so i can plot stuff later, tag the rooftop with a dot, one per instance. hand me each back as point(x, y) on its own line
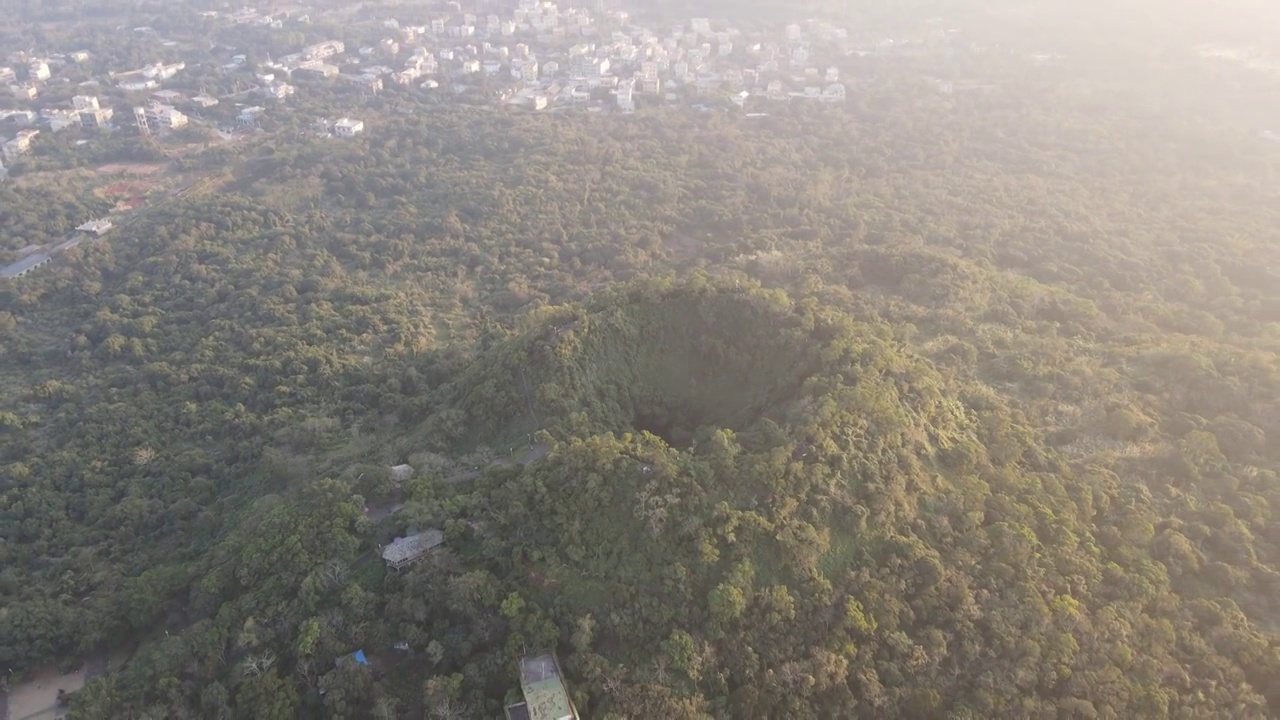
point(408, 548)
point(544, 692)
point(96, 226)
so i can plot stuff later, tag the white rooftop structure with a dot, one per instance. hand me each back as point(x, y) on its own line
point(346, 127)
point(408, 550)
point(95, 227)
point(400, 473)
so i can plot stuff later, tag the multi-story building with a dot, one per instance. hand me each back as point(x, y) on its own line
point(25, 91)
point(92, 115)
point(165, 116)
point(323, 50)
point(20, 144)
point(648, 81)
point(526, 69)
point(626, 100)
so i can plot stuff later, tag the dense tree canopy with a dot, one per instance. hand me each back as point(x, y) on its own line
point(926, 406)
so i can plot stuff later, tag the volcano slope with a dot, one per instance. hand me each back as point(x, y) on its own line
point(760, 507)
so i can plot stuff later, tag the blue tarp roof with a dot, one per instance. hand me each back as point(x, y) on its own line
point(360, 658)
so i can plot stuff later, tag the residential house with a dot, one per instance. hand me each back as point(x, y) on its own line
point(167, 97)
point(96, 118)
point(59, 120)
point(160, 71)
point(96, 228)
point(524, 69)
point(19, 145)
point(324, 50)
point(491, 67)
point(648, 80)
point(39, 70)
point(25, 91)
point(19, 117)
point(91, 114)
point(319, 68)
point(79, 56)
point(401, 474)
point(834, 93)
point(7, 75)
point(367, 81)
point(204, 101)
point(348, 128)
point(470, 67)
point(407, 550)
point(626, 99)
point(590, 67)
point(165, 116)
point(250, 116)
point(278, 90)
point(545, 695)
point(135, 83)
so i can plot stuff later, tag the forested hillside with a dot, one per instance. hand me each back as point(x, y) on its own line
point(928, 406)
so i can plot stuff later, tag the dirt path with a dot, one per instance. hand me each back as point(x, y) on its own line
point(376, 513)
point(535, 452)
point(37, 698)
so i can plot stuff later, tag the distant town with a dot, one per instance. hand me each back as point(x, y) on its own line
point(222, 76)
point(540, 57)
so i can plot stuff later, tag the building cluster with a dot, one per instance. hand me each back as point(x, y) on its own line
point(536, 55)
point(19, 144)
point(25, 75)
point(157, 115)
point(540, 55)
point(146, 78)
